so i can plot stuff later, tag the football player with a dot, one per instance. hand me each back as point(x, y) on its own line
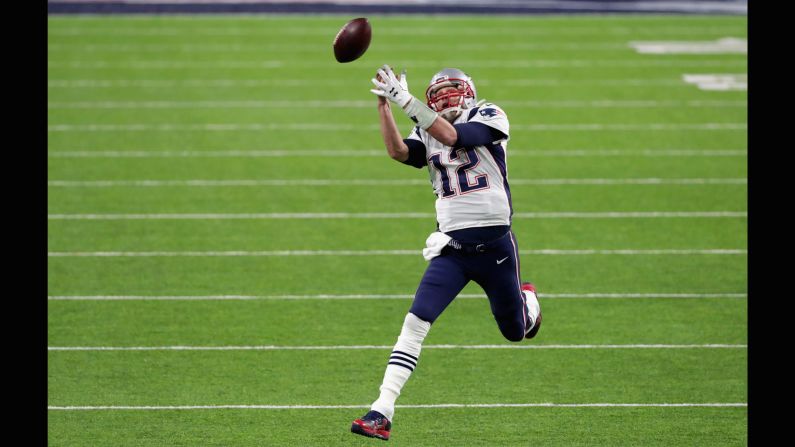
point(462, 142)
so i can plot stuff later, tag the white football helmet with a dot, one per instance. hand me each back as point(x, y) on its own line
point(452, 102)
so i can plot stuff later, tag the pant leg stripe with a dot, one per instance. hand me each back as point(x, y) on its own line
point(519, 280)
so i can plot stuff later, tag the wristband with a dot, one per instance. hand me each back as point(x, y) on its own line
point(420, 113)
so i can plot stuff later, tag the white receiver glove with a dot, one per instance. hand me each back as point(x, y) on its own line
point(392, 88)
point(397, 91)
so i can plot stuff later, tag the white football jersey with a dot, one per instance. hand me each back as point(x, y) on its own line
point(470, 183)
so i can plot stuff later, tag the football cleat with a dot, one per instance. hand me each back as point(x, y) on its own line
point(531, 300)
point(373, 425)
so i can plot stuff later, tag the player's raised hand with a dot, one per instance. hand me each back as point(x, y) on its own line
point(390, 87)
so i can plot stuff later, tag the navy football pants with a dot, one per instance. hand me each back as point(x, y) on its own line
point(496, 271)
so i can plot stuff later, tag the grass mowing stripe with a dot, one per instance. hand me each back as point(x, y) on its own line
point(533, 215)
point(623, 321)
point(329, 127)
point(271, 253)
point(177, 235)
point(384, 182)
point(417, 30)
point(383, 296)
point(301, 140)
point(255, 104)
point(82, 48)
point(560, 375)
point(619, 46)
point(487, 427)
point(385, 347)
point(232, 153)
point(273, 64)
point(341, 199)
point(332, 407)
point(302, 275)
point(264, 169)
point(220, 83)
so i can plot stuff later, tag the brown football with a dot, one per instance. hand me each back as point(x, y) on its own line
point(352, 40)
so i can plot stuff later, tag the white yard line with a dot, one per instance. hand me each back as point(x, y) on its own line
point(382, 182)
point(625, 127)
point(718, 82)
point(280, 104)
point(726, 45)
point(337, 407)
point(529, 215)
point(253, 153)
point(289, 47)
point(282, 253)
point(222, 83)
point(661, 295)
point(538, 29)
point(170, 64)
point(331, 127)
point(384, 347)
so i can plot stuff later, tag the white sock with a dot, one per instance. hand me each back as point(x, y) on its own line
point(402, 362)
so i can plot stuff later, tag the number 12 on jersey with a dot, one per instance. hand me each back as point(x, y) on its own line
point(461, 175)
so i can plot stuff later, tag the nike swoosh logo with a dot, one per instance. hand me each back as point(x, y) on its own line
point(501, 260)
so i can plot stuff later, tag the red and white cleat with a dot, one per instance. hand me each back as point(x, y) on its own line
point(373, 425)
point(533, 309)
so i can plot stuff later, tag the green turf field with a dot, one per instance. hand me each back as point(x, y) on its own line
point(221, 205)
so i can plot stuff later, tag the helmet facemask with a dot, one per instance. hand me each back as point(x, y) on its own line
point(450, 103)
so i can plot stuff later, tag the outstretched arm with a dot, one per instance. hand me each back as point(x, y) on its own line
point(395, 146)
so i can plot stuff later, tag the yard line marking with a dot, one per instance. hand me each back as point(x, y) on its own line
point(338, 407)
point(220, 83)
point(649, 126)
point(628, 82)
point(381, 153)
point(726, 45)
point(383, 182)
point(641, 295)
point(320, 30)
point(530, 215)
point(718, 81)
point(279, 104)
point(379, 347)
point(719, 46)
point(278, 253)
point(383, 296)
point(331, 127)
point(218, 153)
point(313, 47)
point(165, 64)
point(218, 127)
